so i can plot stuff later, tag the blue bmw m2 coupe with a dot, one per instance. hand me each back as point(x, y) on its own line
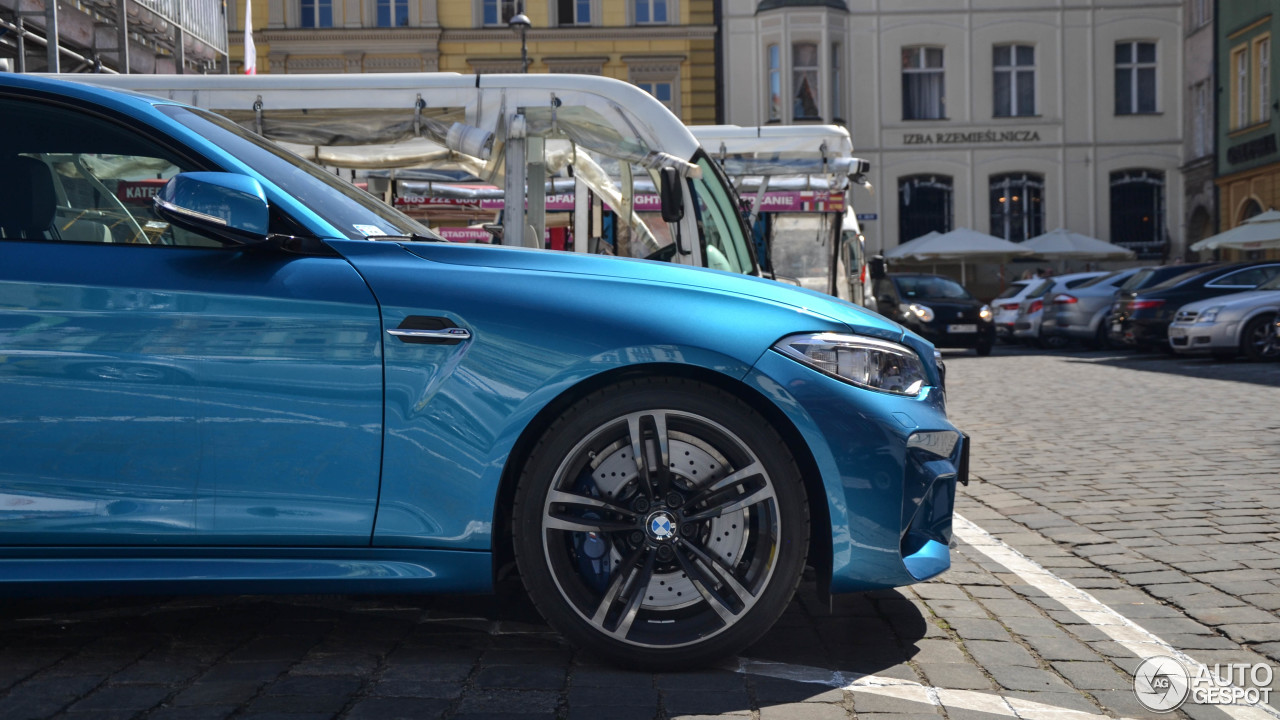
point(222, 369)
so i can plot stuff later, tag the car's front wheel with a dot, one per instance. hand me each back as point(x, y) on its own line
point(1259, 340)
point(661, 523)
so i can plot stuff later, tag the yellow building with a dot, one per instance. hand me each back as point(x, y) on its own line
point(667, 47)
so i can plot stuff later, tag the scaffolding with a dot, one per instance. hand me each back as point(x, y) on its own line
point(114, 35)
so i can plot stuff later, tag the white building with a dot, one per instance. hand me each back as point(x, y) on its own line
point(1012, 117)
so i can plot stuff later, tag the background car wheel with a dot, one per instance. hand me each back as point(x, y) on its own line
point(1101, 340)
point(983, 349)
point(1258, 341)
point(661, 523)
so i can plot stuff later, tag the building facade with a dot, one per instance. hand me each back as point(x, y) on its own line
point(141, 36)
point(1012, 117)
point(1199, 145)
point(1248, 110)
point(667, 47)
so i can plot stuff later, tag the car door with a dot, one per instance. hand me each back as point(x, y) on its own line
point(158, 387)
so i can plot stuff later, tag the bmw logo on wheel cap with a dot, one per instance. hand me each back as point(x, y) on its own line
point(661, 527)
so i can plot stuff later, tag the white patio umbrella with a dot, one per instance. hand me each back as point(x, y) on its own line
point(1064, 244)
point(963, 245)
point(1259, 232)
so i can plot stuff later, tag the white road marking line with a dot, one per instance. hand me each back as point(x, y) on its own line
point(1137, 640)
point(911, 691)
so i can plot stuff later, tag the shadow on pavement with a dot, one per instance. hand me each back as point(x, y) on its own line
point(446, 655)
point(1206, 367)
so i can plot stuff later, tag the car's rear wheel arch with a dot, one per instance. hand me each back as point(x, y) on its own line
point(820, 551)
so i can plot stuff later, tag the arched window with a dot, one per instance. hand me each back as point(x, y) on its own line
point(1137, 212)
point(1248, 210)
point(924, 205)
point(1017, 206)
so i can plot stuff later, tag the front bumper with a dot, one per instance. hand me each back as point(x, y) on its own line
point(1027, 327)
point(941, 335)
point(1202, 338)
point(1135, 332)
point(888, 467)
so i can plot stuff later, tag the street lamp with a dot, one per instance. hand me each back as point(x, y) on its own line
point(520, 22)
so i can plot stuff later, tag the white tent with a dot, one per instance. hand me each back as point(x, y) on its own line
point(962, 245)
point(1064, 244)
point(1260, 232)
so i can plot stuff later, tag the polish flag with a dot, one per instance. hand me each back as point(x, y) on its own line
point(250, 52)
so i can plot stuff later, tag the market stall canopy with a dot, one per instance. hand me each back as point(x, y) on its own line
point(1063, 243)
point(776, 150)
point(961, 244)
point(1260, 232)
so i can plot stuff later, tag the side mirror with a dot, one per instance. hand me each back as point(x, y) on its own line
point(228, 207)
point(672, 194)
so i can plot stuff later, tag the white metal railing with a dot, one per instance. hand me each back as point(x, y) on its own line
point(201, 19)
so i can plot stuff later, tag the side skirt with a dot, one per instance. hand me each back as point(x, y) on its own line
point(41, 571)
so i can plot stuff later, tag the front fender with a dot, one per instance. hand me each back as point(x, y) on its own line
point(1253, 313)
point(447, 448)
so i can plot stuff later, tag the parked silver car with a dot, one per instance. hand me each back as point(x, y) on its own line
point(1027, 325)
point(1080, 313)
point(1229, 324)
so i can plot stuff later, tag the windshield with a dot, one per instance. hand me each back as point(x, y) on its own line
point(1100, 279)
point(1012, 290)
point(719, 220)
point(800, 247)
point(1138, 280)
point(1176, 280)
point(930, 286)
point(355, 213)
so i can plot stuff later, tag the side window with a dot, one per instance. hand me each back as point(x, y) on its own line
point(1078, 282)
point(1249, 278)
point(82, 179)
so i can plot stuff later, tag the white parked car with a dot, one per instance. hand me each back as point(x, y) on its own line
point(1006, 305)
point(1242, 323)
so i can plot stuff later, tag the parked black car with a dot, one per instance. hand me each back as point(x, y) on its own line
point(1140, 318)
point(938, 309)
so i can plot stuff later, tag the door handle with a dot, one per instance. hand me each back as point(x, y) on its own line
point(453, 333)
point(424, 330)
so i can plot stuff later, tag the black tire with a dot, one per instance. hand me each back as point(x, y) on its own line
point(1053, 342)
point(1101, 338)
point(718, 580)
point(1258, 340)
point(983, 349)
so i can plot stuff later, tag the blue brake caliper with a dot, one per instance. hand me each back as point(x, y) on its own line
point(592, 549)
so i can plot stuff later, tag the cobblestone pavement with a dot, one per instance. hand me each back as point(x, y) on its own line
point(1151, 483)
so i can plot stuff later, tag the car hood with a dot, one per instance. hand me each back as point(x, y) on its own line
point(1249, 298)
point(856, 318)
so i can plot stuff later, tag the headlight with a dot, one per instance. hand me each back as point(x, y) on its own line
point(1209, 315)
point(865, 362)
point(924, 312)
point(985, 312)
